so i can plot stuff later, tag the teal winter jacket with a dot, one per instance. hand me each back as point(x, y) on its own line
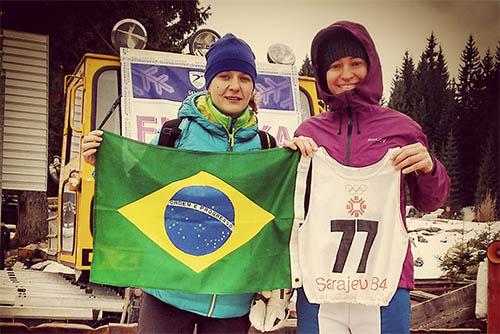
point(203, 128)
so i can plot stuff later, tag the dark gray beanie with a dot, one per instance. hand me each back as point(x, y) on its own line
point(336, 45)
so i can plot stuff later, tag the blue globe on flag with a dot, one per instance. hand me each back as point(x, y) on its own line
point(199, 219)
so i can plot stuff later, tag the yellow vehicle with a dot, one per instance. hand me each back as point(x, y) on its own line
point(90, 93)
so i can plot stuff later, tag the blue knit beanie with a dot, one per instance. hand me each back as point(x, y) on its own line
point(229, 54)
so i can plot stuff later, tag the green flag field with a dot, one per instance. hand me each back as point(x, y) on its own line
point(199, 222)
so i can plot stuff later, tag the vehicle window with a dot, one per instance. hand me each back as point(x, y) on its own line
point(76, 110)
point(306, 108)
point(106, 94)
point(68, 226)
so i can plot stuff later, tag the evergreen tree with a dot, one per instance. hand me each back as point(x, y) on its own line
point(396, 99)
point(306, 68)
point(487, 68)
point(402, 93)
point(491, 90)
point(420, 110)
point(468, 75)
point(488, 171)
point(488, 176)
point(432, 97)
point(451, 161)
point(485, 95)
point(428, 58)
point(468, 130)
point(444, 106)
point(432, 94)
point(497, 60)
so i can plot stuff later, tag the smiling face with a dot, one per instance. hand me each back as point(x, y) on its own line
point(345, 74)
point(231, 92)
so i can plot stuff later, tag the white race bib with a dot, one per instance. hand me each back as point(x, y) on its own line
point(352, 243)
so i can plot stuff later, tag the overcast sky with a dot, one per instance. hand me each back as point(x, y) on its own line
point(395, 26)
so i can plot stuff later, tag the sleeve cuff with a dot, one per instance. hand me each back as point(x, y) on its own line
point(433, 170)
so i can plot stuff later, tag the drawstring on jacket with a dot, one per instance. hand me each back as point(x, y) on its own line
point(339, 132)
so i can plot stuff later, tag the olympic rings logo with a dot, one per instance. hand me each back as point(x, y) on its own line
point(356, 189)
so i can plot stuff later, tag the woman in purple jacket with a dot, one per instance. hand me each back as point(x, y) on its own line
point(357, 132)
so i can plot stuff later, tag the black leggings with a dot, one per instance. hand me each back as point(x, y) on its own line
point(157, 317)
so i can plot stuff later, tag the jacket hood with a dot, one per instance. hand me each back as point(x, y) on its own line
point(370, 88)
point(188, 107)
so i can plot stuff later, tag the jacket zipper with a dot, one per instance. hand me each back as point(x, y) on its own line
point(230, 133)
point(230, 145)
point(349, 133)
point(212, 306)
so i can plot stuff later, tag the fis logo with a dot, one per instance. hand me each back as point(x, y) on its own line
point(197, 79)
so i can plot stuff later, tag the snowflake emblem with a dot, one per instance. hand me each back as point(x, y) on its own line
point(356, 206)
point(151, 82)
point(275, 92)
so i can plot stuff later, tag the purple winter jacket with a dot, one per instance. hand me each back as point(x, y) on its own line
point(357, 131)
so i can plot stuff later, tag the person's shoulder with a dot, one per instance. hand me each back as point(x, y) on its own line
point(317, 119)
point(405, 125)
point(309, 125)
point(399, 117)
point(189, 105)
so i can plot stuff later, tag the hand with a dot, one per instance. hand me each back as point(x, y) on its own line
point(269, 309)
point(306, 145)
point(413, 158)
point(90, 144)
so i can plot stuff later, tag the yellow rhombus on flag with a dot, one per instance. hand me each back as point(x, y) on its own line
point(148, 215)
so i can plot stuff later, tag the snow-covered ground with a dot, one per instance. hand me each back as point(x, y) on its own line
point(438, 242)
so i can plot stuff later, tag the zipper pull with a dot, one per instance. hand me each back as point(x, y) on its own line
point(231, 136)
point(230, 142)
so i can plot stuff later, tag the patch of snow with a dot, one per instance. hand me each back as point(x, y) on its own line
point(41, 265)
point(450, 232)
point(468, 213)
point(18, 266)
point(55, 267)
point(431, 216)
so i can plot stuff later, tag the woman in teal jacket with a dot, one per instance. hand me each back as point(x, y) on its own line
point(221, 119)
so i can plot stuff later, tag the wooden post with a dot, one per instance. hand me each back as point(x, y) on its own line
point(445, 311)
point(494, 287)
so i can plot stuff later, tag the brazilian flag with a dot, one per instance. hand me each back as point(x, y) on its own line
point(203, 222)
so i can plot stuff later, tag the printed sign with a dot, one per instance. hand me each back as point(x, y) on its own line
point(154, 84)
